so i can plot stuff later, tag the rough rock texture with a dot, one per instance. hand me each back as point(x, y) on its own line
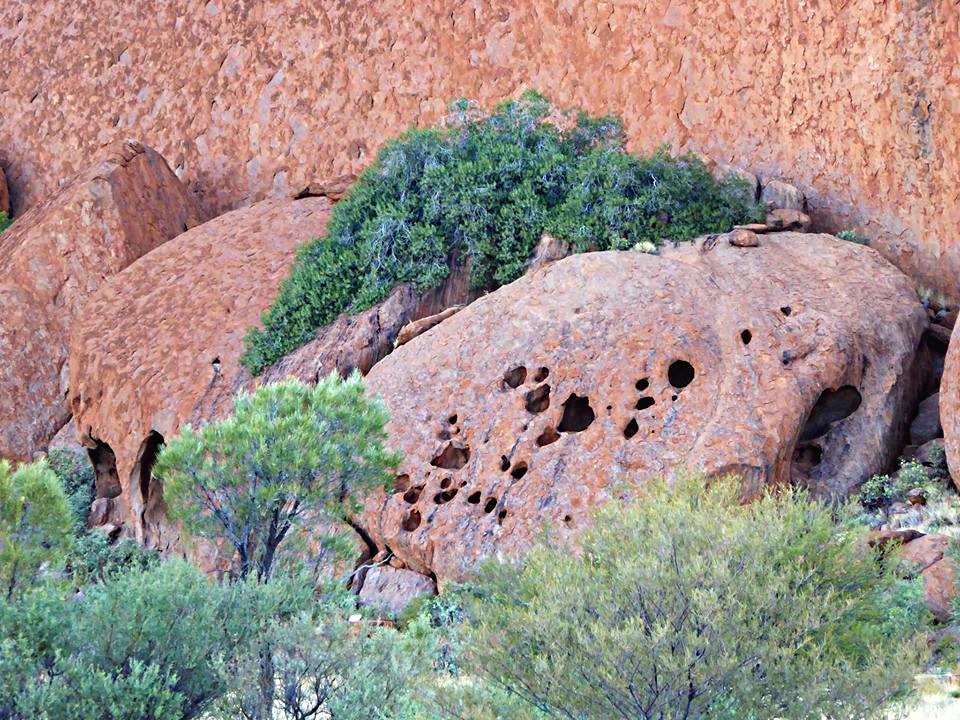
point(527, 406)
point(950, 410)
point(926, 556)
point(53, 258)
point(392, 589)
point(778, 194)
point(143, 356)
point(926, 425)
point(857, 102)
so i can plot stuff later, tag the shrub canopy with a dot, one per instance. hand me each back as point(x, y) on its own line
point(688, 604)
point(486, 187)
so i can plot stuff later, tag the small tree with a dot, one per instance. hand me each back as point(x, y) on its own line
point(689, 604)
point(290, 454)
point(36, 525)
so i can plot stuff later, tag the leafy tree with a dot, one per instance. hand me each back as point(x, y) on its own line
point(36, 526)
point(689, 604)
point(327, 667)
point(75, 473)
point(484, 189)
point(155, 644)
point(290, 455)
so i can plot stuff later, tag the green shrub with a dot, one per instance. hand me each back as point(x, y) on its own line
point(5, 221)
point(486, 187)
point(75, 473)
point(851, 236)
point(689, 604)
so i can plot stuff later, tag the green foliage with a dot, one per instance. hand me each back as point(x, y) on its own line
point(5, 221)
point(486, 187)
point(75, 473)
point(96, 560)
point(689, 604)
point(881, 490)
point(151, 644)
point(36, 525)
point(938, 460)
point(325, 666)
point(291, 457)
point(851, 236)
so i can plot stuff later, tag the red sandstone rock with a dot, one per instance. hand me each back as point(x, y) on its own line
point(525, 408)
point(54, 258)
point(940, 587)
point(142, 356)
point(853, 99)
point(391, 589)
point(419, 327)
point(882, 538)
point(950, 410)
point(921, 553)
point(780, 195)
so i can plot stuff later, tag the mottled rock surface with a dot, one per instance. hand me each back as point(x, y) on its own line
point(143, 356)
point(525, 408)
point(391, 589)
point(950, 410)
point(54, 258)
point(927, 557)
point(926, 425)
point(853, 101)
point(4, 193)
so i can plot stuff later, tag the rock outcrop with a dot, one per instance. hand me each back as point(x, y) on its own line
point(4, 193)
point(787, 362)
point(950, 410)
point(854, 101)
point(159, 346)
point(51, 261)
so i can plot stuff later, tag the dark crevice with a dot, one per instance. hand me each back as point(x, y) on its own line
point(643, 384)
point(631, 429)
point(412, 521)
point(547, 437)
point(519, 470)
point(831, 407)
point(538, 399)
point(645, 402)
point(106, 477)
point(541, 374)
point(515, 377)
point(412, 495)
point(680, 373)
point(746, 336)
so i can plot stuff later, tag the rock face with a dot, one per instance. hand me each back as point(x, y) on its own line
point(787, 362)
point(51, 261)
point(926, 426)
point(926, 556)
point(950, 410)
point(391, 589)
point(851, 100)
point(159, 345)
point(4, 194)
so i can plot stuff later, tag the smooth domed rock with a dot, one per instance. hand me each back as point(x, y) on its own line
point(54, 258)
point(778, 194)
point(160, 344)
point(525, 409)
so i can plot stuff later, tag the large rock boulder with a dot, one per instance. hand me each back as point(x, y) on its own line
point(950, 410)
point(160, 345)
point(789, 362)
point(51, 261)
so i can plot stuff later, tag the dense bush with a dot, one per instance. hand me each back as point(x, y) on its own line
point(688, 604)
point(5, 221)
point(485, 187)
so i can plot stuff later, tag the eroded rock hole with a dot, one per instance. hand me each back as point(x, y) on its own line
point(401, 483)
point(106, 478)
point(645, 402)
point(631, 429)
point(567, 519)
point(445, 483)
point(831, 407)
point(490, 505)
point(807, 456)
point(515, 378)
point(412, 495)
point(445, 496)
point(474, 498)
point(643, 384)
point(453, 457)
point(577, 414)
point(452, 419)
point(538, 399)
point(504, 463)
point(746, 336)
point(680, 374)
point(786, 310)
point(412, 521)
point(519, 470)
point(548, 436)
point(541, 374)
point(501, 516)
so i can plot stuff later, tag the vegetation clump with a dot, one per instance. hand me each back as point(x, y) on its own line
point(5, 221)
point(482, 190)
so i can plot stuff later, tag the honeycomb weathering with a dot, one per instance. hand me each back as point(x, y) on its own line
point(856, 102)
point(648, 372)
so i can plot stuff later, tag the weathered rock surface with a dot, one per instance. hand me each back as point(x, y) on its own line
point(950, 410)
point(159, 345)
point(525, 408)
point(853, 101)
point(926, 425)
point(392, 589)
point(778, 194)
point(51, 261)
point(926, 556)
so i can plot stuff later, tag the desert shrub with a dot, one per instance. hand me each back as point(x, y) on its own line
point(689, 604)
point(36, 525)
point(291, 456)
point(5, 221)
point(851, 236)
point(881, 490)
point(75, 473)
point(484, 188)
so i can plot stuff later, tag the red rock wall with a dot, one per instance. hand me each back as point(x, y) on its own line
point(856, 101)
